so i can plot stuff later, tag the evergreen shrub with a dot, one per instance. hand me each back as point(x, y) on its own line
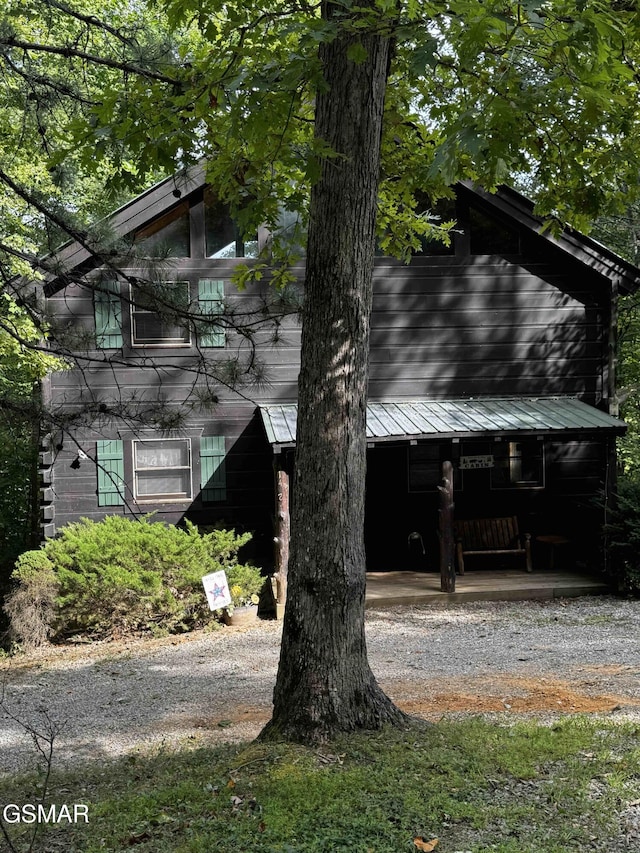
point(31, 605)
point(117, 577)
point(623, 531)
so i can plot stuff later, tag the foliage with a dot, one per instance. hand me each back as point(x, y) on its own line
point(244, 585)
point(623, 531)
point(119, 576)
point(482, 91)
point(22, 364)
point(31, 605)
point(621, 232)
point(474, 785)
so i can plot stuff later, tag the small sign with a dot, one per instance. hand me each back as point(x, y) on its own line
point(216, 588)
point(468, 462)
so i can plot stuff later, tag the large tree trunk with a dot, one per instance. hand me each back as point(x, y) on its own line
point(324, 682)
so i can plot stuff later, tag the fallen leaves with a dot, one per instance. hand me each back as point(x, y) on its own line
point(425, 846)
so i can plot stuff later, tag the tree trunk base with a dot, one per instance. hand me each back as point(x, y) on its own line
point(316, 719)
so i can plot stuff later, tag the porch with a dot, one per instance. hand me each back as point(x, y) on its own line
point(385, 589)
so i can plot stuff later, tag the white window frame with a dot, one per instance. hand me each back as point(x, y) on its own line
point(161, 498)
point(158, 342)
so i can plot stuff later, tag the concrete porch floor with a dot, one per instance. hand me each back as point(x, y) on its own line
point(385, 589)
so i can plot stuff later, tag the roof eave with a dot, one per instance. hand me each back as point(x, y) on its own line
point(571, 242)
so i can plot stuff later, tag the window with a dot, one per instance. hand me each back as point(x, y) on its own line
point(166, 237)
point(154, 316)
point(223, 239)
point(518, 465)
point(490, 237)
point(162, 470)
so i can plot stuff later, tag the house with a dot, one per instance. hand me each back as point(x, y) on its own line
point(497, 354)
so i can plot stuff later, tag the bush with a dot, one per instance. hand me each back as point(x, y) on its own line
point(623, 531)
point(119, 576)
point(31, 606)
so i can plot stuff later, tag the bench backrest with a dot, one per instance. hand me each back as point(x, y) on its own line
point(488, 533)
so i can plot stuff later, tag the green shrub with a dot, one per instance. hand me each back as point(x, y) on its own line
point(623, 532)
point(118, 576)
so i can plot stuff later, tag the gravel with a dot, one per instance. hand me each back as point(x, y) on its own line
point(110, 699)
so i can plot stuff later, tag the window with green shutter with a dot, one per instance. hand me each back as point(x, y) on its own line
point(213, 476)
point(108, 315)
point(211, 300)
point(110, 464)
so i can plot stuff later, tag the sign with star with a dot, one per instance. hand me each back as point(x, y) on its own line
point(216, 588)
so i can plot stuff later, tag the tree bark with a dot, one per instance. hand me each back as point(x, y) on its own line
point(324, 683)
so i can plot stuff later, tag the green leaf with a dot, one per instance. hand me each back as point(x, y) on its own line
point(357, 53)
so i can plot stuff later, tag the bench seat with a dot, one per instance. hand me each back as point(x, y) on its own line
point(490, 536)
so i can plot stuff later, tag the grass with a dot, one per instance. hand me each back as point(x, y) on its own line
point(474, 785)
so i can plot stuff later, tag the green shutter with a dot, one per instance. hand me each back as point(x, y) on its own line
point(108, 314)
point(213, 475)
point(110, 460)
point(211, 299)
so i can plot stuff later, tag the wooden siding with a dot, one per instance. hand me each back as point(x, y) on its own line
point(442, 327)
point(483, 327)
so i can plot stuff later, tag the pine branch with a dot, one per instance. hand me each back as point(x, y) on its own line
point(69, 52)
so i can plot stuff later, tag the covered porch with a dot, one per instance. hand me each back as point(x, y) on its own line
point(386, 589)
point(545, 462)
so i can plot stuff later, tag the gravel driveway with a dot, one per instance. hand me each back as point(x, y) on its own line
point(505, 658)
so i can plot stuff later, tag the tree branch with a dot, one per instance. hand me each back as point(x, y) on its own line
point(70, 52)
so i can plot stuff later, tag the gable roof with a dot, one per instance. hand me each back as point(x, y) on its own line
point(505, 203)
point(575, 245)
point(136, 214)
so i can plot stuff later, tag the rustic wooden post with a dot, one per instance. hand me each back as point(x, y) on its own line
point(445, 525)
point(281, 540)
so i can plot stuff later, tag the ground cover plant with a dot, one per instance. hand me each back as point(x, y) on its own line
point(473, 785)
point(120, 576)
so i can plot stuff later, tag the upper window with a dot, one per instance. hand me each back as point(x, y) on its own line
point(490, 237)
point(162, 470)
point(166, 237)
point(155, 318)
point(222, 237)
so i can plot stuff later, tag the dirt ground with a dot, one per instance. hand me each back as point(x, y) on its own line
point(510, 660)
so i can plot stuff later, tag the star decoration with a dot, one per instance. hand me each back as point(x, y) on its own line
point(218, 591)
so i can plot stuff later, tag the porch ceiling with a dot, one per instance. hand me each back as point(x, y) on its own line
point(458, 418)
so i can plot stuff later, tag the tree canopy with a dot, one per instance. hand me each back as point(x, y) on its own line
point(96, 100)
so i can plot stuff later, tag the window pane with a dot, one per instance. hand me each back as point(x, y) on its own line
point(167, 237)
point(148, 328)
point(164, 483)
point(518, 464)
point(162, 454)
point(221, 234)
point(162, 469)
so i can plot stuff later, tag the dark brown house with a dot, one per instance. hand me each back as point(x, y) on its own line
point(497, 354)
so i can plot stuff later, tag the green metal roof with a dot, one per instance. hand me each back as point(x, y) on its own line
point(457, 418)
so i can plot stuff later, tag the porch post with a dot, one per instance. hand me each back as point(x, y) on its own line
point(445, 523)
point(282, 532)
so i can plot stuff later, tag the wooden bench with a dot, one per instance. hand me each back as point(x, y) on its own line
point(489, 536)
